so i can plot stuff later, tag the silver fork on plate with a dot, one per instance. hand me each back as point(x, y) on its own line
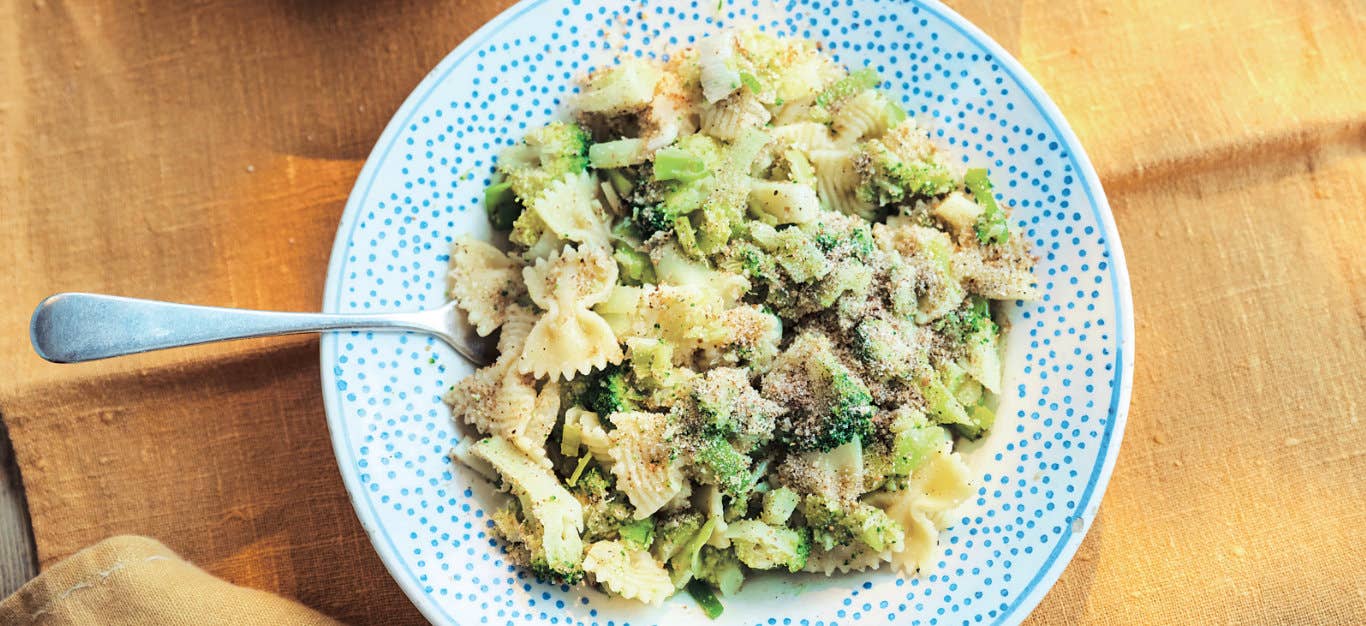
point(75, 327)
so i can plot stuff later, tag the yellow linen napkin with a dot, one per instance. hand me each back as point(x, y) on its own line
point(137, 580)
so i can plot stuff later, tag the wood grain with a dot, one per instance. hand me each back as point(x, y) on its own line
point(18, 561)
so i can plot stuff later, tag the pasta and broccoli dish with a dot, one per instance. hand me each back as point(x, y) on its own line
point(745, 314)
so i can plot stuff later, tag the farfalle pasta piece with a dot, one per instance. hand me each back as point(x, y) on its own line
point(837, 182)
point(568, 341)
point(515, 330)
point(628, 572)
point(923, 507)
point(529, 429)
point(868, 114)
point(493, 396)
point(729, 118)
point(669, 115)
point(808, 136)
point(570, 338)
point(484, 282)
point(569, 208)
point(592, 435)
point(643, 463)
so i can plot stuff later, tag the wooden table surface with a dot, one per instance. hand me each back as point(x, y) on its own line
point(18, 560)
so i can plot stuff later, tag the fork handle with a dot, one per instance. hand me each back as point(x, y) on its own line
point(76, 327)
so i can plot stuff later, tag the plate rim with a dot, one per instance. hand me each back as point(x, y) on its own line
point(1098, 483)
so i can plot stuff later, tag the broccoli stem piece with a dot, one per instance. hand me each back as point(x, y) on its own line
point(702, 593)
point(638, 534)
point(674, 163)
point(501, 205)
point(991, 226)
point(726, 466)
point(613, 154)
point(635, 266)
point(578, 470)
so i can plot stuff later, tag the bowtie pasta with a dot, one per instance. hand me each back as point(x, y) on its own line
point(745, 317)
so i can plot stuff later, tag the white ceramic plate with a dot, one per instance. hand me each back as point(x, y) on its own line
point(1069, 356)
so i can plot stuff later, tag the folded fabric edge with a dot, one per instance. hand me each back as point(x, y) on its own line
point(135, 579)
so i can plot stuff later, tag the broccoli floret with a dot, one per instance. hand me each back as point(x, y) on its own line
point(730, 408)
point(593, 484)
point(828, 405)
point(887, 179)
point(719, 423)
point(971, 323)
point(720, 568)
point(526, 545)
point(765, 546)
point(543, 570)
point(603, 514)
point(650, 360)
point(889, 348)
point(684, 560)
point(563, 146)
point(719, 462)
point(545, 155)
point(676, 200)
point(843, 523)
point(945, 407)
point(851, 409)
point(909, 441)
point(653, 219)
point(608, 391)
point(992, 227)
point(724, 208)
point(794, 250)
point(693, 157)
point(778, 505)
point(754, 262)
point(638, 534)
point(673, 534)
point(669, 194)
point(852, 239)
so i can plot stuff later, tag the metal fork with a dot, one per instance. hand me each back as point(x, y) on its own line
point(75, 327)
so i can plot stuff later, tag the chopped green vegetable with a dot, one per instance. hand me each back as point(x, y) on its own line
point(765, 546)
point(578, 470)
point(778, 505)
point(678, 164)
point(886, 178)
point(607, 391)
point(991, 226)
point(857, 80)
point(619, 153)
point(639, 534)
point(752, 82)
point(702, 593)
point(501, 205)
point(720, 568)
point(620, 183)
point(635, 266)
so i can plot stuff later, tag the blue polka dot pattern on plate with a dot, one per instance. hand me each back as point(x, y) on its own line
point(1069, 355)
